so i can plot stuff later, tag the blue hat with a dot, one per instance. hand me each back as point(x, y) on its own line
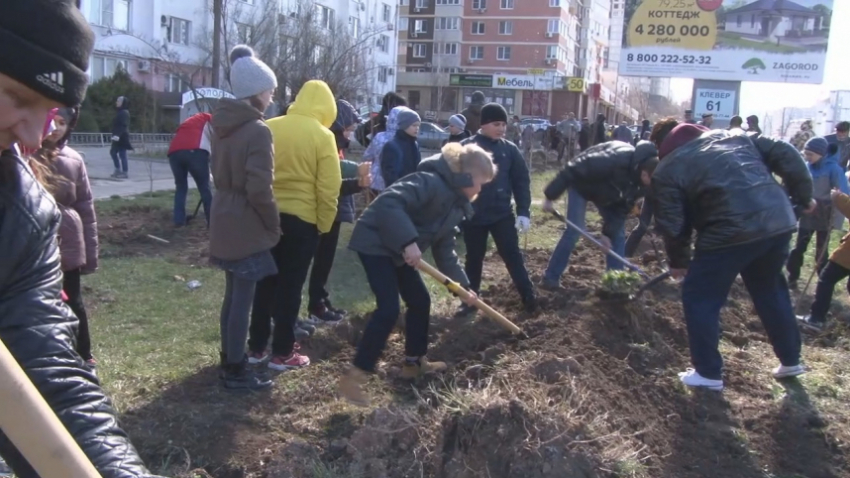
point(817, 145)
point(458, 121)
point(407, 117)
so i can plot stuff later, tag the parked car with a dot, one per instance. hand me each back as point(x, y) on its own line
point(431, 136)
point(536, 123)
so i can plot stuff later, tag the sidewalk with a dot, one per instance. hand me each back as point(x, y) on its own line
point(146, 174)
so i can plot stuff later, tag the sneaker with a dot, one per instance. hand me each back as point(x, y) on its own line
point(466, 309)
point(322, 315)
point(550, 286)
point(115, 173)
point(301, 334)
point(420, 366)
point(692, 378)
point(335, 310)
point(255, 358)
point(239, 376)
point(122, 175)
point(294, 361)
point(783, 371)
point(807, 322)
point(302, 324)
point(91, 364)
point(351, 387)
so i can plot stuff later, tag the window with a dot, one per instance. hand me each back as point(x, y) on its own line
point(552, 51)
point(477, 28)
point(553, 25)
point(554, 3)
point(506, 27)
point(507, 5)
point(325, 17)
point(503, 53)
point(403, 24)
point(245, 33)
point(103, 67)
point(354, 26)
point(111, 13)
point(179, 31)
point(479, 4)
point(476, 53)
point(387, 13)
point(175, 84)
point(384, 43)
point(382, 74)
point(448, 2)
point(447, 23)
point(423, 3)
point(450, 48)
point(420, 26)
point(420, 50)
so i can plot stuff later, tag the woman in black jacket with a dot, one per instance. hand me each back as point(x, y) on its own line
point(35, 325)
point(120, 137)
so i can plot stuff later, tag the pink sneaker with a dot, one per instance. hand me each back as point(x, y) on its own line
point(294, 361)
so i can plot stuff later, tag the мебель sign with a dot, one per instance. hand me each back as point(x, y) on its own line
point(746, 40)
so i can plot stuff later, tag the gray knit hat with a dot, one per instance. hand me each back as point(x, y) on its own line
point(407, 117)
point(248, 75)
point(458, 121)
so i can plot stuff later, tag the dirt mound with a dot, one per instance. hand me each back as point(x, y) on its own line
point(138, 230)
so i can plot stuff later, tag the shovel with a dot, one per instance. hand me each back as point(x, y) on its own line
point(195, 214)
point(459, 291)
point(651, 281)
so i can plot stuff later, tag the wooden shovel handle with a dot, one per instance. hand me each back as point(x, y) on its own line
point(34, 428)
point(456, 289)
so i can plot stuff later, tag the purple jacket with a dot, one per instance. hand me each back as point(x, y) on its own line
point(78, 242)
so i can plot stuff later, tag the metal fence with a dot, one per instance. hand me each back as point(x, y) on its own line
point(105, 139)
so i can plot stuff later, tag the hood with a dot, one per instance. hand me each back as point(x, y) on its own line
point(125, 103)
point(439, 164)
point(392, 120)
point(478, 98)
point(316, 101)
point(825, 162)
point(230, 115)
point(643, 150)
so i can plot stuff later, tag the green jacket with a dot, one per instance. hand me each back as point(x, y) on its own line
point(424, 207)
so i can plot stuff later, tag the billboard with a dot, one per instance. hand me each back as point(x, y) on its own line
point(734, 40)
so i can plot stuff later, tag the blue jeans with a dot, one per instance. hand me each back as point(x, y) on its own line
point(116, 152)
point(387, 282)
point(197, 163)
point(613, 221)
point(706, 287)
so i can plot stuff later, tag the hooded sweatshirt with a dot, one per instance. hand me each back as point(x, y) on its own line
point(307, 174)
point(373, 152)
point(243, 219)
point(826, 175)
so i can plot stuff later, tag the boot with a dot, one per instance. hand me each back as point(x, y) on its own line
point(420, 366)
point(239, 376)
point(351, 387)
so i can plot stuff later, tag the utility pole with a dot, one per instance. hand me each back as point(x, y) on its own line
point(216, 53)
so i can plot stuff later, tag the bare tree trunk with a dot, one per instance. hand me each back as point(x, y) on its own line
point(216, 55)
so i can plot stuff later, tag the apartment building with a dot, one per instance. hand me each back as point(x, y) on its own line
point(166, 44)
point(515, 51)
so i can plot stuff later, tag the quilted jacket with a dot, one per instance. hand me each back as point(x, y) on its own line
point(39, 329)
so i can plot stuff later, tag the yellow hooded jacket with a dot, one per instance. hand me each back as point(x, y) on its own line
point(307, 176)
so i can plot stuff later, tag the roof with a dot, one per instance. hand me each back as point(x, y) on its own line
point(775, 5)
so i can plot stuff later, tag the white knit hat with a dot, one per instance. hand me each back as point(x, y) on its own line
point(248, 75)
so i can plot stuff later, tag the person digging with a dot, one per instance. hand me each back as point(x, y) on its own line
point(613, 176)
point(722, 186)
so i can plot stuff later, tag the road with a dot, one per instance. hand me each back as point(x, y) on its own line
point(146, 174)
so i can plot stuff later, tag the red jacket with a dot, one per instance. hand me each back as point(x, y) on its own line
point(192, 134)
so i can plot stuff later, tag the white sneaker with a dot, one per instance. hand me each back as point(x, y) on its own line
point(693, 379)
point(786, 372)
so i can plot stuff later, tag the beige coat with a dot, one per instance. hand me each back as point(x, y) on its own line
point(244, 219)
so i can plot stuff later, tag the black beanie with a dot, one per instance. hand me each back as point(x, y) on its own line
point(492, 112)
point(46, 46)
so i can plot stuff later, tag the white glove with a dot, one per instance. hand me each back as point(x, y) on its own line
point(522, 224)
point(115, 138)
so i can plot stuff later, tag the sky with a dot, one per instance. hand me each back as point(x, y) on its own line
point(758, 97)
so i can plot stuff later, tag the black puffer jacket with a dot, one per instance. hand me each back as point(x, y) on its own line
point(722, 186)
point(512, 180)
point(608, 175)
point(39, 329)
